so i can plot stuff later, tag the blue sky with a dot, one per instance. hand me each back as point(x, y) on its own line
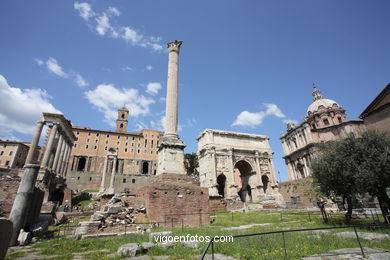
point(86, 59)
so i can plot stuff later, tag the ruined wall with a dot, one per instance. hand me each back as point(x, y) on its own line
point(9, 184)
point(175, 199)
point(298, 193)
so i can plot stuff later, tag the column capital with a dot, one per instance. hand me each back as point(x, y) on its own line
point(174, 46)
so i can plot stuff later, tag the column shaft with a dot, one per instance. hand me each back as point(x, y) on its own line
point(34, 142)
point(49, 146)
point(58, 153)
point(102, 184)
point(22, 200)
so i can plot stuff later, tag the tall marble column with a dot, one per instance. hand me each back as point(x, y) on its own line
point(34, 142)
point(102, 184)
point(58, 153)
point(171, 148)
point(113, 172)
point(49, 146)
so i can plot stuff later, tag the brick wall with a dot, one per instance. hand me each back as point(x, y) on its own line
point(176, 200)
point(297, 194)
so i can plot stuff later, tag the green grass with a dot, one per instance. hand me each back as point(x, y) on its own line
point(90, 191)
point(298, 244)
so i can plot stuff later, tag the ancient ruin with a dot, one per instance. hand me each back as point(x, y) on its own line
point(173, 198)
point(44, 182)
point(238, 166)
point(171, 148)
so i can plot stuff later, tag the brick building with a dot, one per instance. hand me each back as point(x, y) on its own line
point(112, 161)
point(13, 154)
point(377, 113)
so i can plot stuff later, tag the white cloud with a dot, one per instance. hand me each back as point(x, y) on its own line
point(113, 11)
point(102, 24)
point(80, 81)
point(54, 67)
point(246, 118)
point(149, 67)
point(21, 108)
point(273, 109)
point(84, 9)
point(107, 99)
point(103, 27)
point(153, 87)
point(158, 124)
point(127, 68)
point(38, 61)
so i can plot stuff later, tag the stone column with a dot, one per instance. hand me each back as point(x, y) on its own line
point(102, 184)
point(22, 200)
point(66, 160)
point(63, 160)
point(306, 163)
point(58, 151)
point(232, 190)
point(111, 188)
point(34, 142)
point(171, 116)
point(171, 148)
point(49, 146)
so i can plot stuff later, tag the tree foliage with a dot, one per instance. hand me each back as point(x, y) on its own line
point(191, 163)
point(354, 166)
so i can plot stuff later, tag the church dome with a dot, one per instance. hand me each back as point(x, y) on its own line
point(320, 101)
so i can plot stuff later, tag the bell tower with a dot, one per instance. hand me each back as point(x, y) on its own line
point(121, 122)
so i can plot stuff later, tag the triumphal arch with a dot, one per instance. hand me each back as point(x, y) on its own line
point(238, 166)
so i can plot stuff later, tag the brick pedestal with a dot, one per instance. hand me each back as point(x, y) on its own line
point(175, 200)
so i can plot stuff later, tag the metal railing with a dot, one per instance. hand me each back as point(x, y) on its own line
point(282, 232)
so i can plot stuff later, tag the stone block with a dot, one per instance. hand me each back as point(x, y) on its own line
point(6, 233)
point(130, 250)
point(146, 246)
point(24, 238)
point(190, 244)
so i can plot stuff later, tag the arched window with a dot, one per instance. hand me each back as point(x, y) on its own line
point(221, 180)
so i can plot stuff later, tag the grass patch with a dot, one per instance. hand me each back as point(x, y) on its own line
point(15, 255)
point(298, 244)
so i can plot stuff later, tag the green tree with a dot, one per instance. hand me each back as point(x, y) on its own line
point(354, 166)
point(191, 163)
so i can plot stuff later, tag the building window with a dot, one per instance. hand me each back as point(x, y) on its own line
point(95, 147)
point(90, 178)
point(108, 136)
point(96, 141)
point(117, 143)
point(11, 153)
point(132, 144)
point(105, 148)
point(119, 136)
point(78, 178)
point(151, 152)
point(133, 138)
point(125, 150)
point(132, 150)
point(340, 120)
point(89, 133)
point(139, 151)
point(75, 145)
point(133, 181)
point(326, 121)
point(124, 180)
point(86, 147)
point(126, 144)
point(87, 140)
point(2, 152)
point(77, 133)
point(97, 134)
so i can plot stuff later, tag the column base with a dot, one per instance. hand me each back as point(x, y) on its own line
point(171, 156)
